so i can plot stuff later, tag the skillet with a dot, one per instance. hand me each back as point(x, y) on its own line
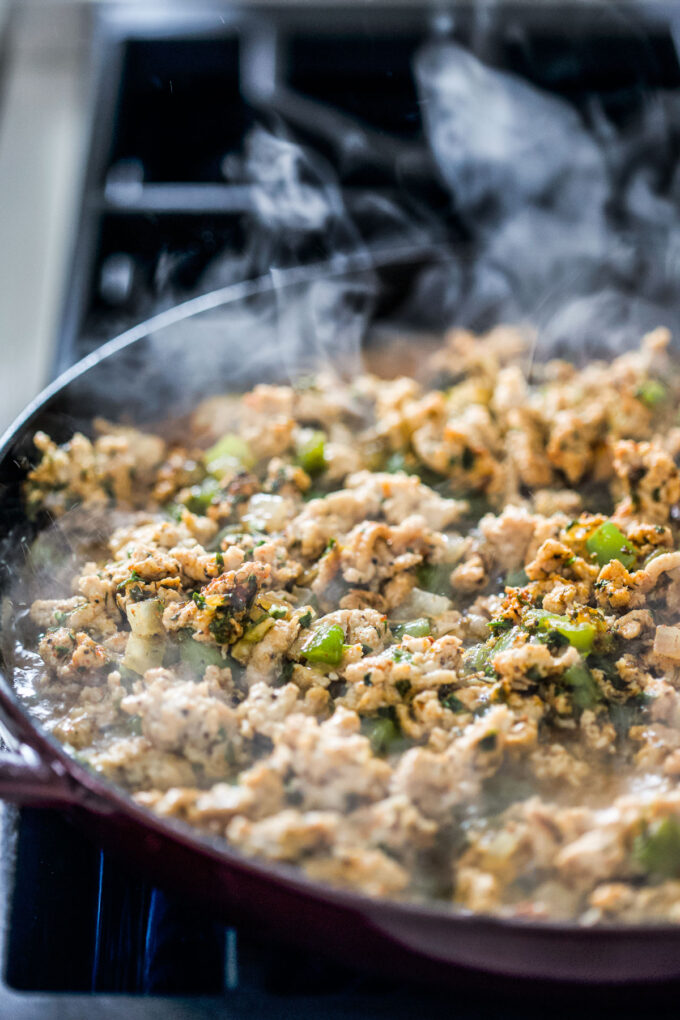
point(160, 369)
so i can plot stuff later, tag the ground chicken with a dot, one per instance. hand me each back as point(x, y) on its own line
point(419, 639)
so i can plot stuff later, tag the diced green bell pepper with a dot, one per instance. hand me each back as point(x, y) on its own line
point(326, 644)
point(381, 732)
point(414, 628)
point(228, 452)
point(397, 462)
point(255, 633)
point(201, 496)
point(651, 392)
point(476, 658)
point(198, 655)
point(516, 578)
point(609, 543)
point(657, 850)
point(580, 635)
point(584, 691)
point(435, 577)
point(505, 641)
point(311, 454)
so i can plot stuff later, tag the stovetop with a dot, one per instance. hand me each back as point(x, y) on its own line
point(174, 190)
point(77, 925)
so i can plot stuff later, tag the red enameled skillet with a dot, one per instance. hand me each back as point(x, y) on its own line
point(233, 338)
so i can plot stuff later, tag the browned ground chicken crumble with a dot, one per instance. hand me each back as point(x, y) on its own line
point(422, 641)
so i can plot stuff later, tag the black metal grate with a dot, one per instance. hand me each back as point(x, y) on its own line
point(165, 211)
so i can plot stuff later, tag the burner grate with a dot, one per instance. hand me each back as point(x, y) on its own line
point(166, 207)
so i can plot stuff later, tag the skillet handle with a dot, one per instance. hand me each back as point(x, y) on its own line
point(26, 780)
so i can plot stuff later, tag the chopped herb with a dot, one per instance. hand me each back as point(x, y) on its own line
point(223, 628)
point(286, 671)
point(489, 741)
point(367, 679)
point(498, 626)
point(554, 640)
point(403, 687)
point(625, 715)
point(219, 559)
point(453, 703)
point(305, 619)
point(127, 676)
point(468, 458)
point(134, 576)
point(401, 654)
point(199, 598)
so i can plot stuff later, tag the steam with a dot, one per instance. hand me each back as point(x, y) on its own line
point(297, 205)
point(501, 142)
point(569, 230)
point(557, 218)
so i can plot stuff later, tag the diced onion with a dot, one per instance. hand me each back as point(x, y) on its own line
point(267, 513)
point(145, 617)
point(142, 653)
point(667, 642)
point(422, 603)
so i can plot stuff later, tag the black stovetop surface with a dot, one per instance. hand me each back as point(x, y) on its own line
point(166, 213)
point(82, 938)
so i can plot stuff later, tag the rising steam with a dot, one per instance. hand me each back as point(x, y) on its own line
point(557, 219)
